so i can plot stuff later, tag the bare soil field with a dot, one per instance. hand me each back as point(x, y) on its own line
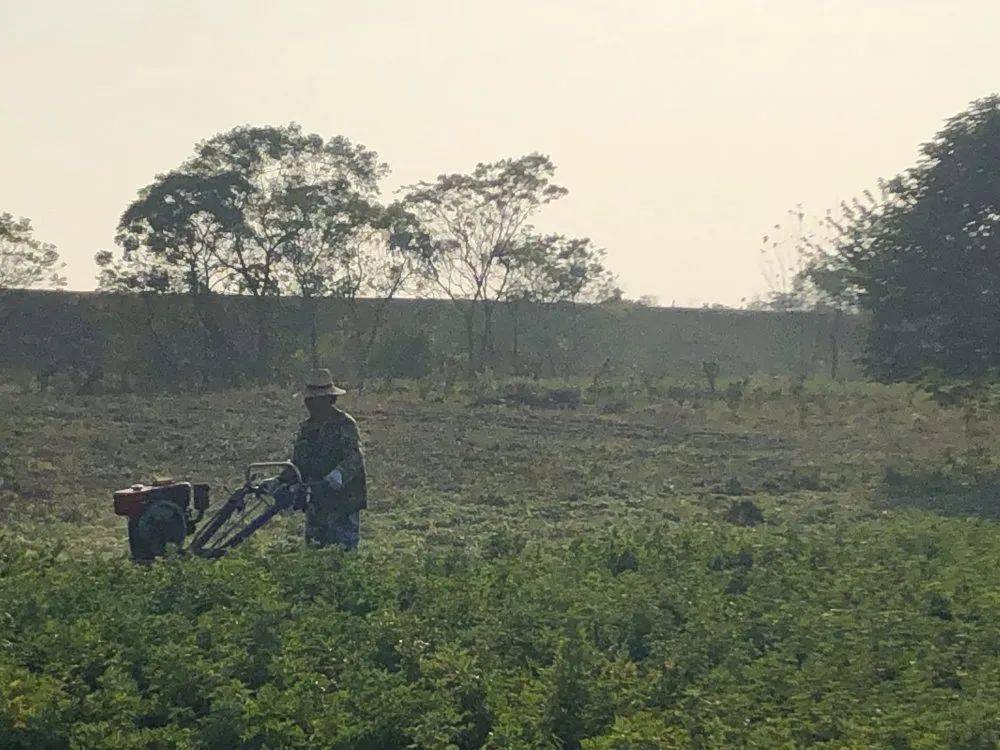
point(444, 472)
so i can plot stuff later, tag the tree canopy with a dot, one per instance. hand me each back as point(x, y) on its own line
point(261, 211)
point(236, 215)
point(554, 268)
point(922, 257)
point(482, 249)
point(25, 261)
point(268, 211)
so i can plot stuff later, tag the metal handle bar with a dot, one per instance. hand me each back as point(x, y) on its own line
point(272, 465)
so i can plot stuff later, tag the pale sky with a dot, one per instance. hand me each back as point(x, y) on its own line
point(683, 130)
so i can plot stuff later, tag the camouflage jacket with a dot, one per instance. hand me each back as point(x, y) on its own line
point(321, 447)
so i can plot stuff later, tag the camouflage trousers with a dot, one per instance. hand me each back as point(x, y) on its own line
point(324, 529)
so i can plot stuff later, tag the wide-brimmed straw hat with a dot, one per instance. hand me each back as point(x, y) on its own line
point(321, 383)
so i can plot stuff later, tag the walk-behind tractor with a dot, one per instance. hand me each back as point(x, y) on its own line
point(166, 513)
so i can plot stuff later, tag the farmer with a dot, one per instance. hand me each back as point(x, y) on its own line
point(328, 452)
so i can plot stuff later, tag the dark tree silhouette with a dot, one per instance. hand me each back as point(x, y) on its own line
point(924, 257)
point(258, 211)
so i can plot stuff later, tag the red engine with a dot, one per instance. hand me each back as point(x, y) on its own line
point(133, 501)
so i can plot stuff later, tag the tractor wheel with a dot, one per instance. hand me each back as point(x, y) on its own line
point(162, 523)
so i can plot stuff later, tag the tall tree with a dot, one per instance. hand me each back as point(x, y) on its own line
point(232, 218)
point(924, 258)
point(551, 270)
point(174, 233)
point(554, 268)
point(476, 225)
point(359, 252)
point(25, 262)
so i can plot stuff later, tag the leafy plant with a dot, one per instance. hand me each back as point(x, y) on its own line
point(708, 637)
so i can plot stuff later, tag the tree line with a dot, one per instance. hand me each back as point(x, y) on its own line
point(269, 212)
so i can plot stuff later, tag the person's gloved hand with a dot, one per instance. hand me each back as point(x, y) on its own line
point(335, 479)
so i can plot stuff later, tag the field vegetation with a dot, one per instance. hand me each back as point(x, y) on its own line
point(628, 563)
point(663, 546)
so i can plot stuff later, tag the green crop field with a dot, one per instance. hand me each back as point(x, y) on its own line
point(634, 564)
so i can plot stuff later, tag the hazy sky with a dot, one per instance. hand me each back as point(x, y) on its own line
point(683, 130)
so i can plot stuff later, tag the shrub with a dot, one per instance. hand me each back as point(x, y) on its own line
point(705, 637)
point(403, 354)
